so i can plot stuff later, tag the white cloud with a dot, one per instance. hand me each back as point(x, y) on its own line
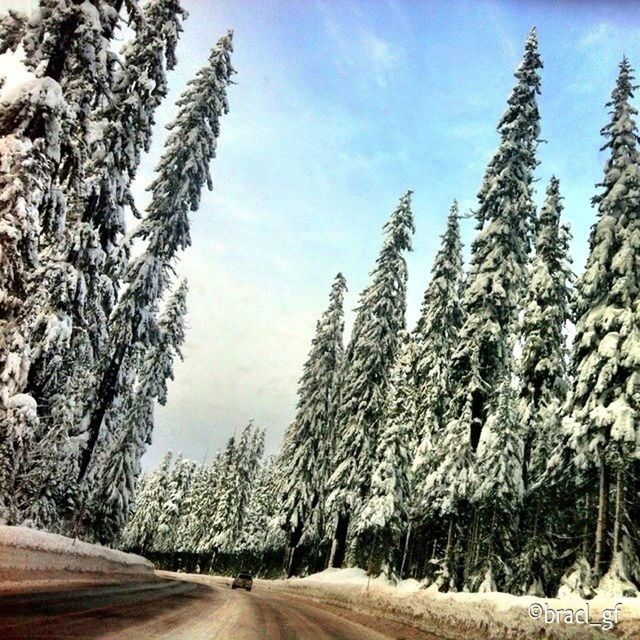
point(600, 33)
point(360, 51)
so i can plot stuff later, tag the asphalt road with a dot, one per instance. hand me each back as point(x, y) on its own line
point(177, 610)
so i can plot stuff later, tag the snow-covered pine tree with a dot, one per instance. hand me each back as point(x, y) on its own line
point(182, 172)
point(379, 522)
point(25, 165)
point(226, 510)
point(167, 527)
point(43, 134)
point(217, 505)
point(499, 490)
point(499, 253)
point(304, 462)
point(494, 287)
point(93, 253)
point(543, 363)
point(250, 447)
point(543, 385)
point(365, 376)
point(118, 467)
point(193, 522)
point(436, 338)
point(439, 321)
point(604, 403)
point(141, 529)
point(260, 532)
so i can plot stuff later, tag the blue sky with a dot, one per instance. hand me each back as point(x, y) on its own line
point(340, 107)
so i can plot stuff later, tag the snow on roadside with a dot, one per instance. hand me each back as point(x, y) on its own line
point(481, 616)
point(33, 550)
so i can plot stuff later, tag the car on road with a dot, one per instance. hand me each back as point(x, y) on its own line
point(242, 581)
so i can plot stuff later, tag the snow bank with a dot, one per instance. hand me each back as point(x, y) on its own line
point(33, 550)
point(481, 616)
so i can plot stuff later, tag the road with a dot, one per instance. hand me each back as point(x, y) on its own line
point(182, 610)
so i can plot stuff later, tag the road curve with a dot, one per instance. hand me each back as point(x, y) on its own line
point(182, 610)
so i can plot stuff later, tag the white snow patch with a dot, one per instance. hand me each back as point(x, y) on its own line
point(31, 549)
point(490, 615)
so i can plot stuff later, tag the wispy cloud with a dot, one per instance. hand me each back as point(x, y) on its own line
point(497, 22)
point(601, 32)
point(360, 50)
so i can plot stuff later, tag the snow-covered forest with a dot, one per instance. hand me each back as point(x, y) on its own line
point(91, 313)
point(493, 446)
point(483, 449)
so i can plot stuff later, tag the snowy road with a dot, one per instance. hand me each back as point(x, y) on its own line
point(185, 611)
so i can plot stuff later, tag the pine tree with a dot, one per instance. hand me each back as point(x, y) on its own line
point(259, 535)
point(219, 504)
point(43, 135)
point(493, 289)
point(365, 376)
point(542, 368)
point(543, 386)
point(436, 337)
point(304, 461)
point(603, 404)
point(499, 488)
point(172, 509)
point(118, 467)
point(498, 271)
point(182, 171)
point(141, 529)
point(230, 492)
point(384, 512)
point(92, 257)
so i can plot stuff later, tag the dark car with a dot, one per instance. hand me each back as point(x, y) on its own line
point(242, 581)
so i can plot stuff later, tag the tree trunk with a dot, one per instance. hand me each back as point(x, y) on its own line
point(294, 541)
point(447, 552)
point(406, 548)
point(585, 534)
point(104, 398)
point(601, 529)
point(339, 545)
point(619, 510)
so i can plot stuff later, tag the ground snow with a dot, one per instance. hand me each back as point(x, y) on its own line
point(482, 616)
point(34, 550)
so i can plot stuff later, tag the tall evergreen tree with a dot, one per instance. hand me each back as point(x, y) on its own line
point(194, 522)
point(543, 364)
point(493, 289)
point(44, 136)
point(365, 375)
point(384, 513)
point(118, 468)
point(182, 171)
point(436, 338)
point(543, 386)
point(259, 535)
point(172, 509)
point(499, 490)
point(141, 528)
point(437, 329)
point(305, 459)
point(92, 257)
point(604, 403)
point(225, 511)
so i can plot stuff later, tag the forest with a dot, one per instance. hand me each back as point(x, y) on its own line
point(493, 446)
